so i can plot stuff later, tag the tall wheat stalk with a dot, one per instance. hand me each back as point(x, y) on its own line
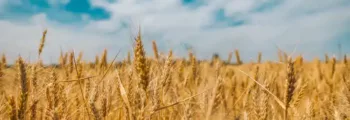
point(42, 42)
point(290, 84)
point(155, 49)
point(238, 57)
point(24, 89)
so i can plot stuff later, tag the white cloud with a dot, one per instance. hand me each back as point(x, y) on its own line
point(310, 24)
point(292, 22)
point(23, 39)
point(239, 6)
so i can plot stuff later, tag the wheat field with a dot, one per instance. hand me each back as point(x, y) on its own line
point(165, 87)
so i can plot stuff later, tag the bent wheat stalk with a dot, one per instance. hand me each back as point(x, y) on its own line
point(282, 105)
point(124, 95)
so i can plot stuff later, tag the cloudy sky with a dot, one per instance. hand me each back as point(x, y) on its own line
point(315, 27)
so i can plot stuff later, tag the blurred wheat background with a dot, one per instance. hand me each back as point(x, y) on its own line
point(166, 87)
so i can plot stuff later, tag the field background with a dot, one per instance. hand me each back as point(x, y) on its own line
point(165, 87)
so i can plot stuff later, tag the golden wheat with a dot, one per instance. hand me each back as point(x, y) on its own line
point(169, 87)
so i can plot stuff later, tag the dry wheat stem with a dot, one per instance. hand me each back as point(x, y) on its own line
point(282, 105)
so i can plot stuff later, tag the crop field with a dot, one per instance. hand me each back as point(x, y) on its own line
point(166, 87)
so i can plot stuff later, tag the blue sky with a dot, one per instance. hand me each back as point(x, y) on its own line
point(209, 26)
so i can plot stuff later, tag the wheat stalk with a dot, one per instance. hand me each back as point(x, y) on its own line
point(140, 63)
point(3, 61)
point(290, 83)
point(42, 42)
point(155, 49)
point(24, 88)
point(229, 58)
point(259, 57)
point(238, 57)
